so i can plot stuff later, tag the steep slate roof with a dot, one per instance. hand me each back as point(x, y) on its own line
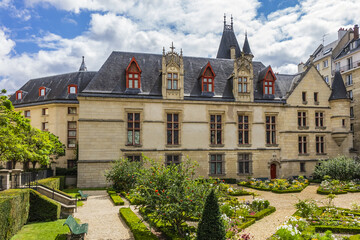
point(338, 88)
point(56, 88)
point(246, 46)
point(346, 50)
point(325, 51)
point(228, 40)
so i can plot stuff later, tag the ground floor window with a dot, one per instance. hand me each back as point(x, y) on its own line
point(71, 163)
point(134, 158)
point(216, 164)
point(302, 167)
point(244, 163)
point(172, 159)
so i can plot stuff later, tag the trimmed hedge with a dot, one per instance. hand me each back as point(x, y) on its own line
point(117, 200)
point(246, 224)
point(263, 213)
point(57, 182)
point(43, 208)
point(273, 190)
point(139, 230)
point(337, 229)
point(132, 200)
point(14, 211)
point(322, 192)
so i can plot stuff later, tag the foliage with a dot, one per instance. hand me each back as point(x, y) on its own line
point(123, 174)
point(329, 186)
point(43, 231)
point(117, 200)
point(20, 142)
point(139, 230)
point(66, 171)
point(57, 182)
point(233, 191)
point(14, 211)
point(339, 168)
point(43, 208)
point(211, 226)
point(306, 208)
point(277, 185)
point(170, 194)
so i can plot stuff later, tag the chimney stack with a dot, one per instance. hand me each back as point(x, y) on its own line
point(356, 32)
point(341, 33)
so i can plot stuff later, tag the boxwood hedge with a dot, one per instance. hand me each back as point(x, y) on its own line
point(43, 208)
point(57, 182)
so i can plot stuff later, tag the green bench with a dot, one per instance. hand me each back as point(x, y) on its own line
point(77, 230)
point(83, 196)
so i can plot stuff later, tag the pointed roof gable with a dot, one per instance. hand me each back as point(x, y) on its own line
point(263, 74)
point(246, 46)
point(83, 67)
point(203, 70)
point(228, 40)
point(338, 90)
point(133, 60)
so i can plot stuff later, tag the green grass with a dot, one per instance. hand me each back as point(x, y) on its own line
point(43, 231)
point(77, 195)
point(75, 190)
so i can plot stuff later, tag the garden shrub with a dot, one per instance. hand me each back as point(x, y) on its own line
point(66, 171)
point(117, 200)
point(123, 174)
point(263, 213)
point(305, 208)
point(340, 168)
point(43, 208)
point(211, 226)
point(14, 211)
point(229, 180)
point(139, 230)
point(57, 182)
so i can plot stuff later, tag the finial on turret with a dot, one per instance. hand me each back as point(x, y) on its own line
point(172, 47)
point(181, 53)
point(164, 51)
point(232, 22)
point(83, 67)
point(224, 19)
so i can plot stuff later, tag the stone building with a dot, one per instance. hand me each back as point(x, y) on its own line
point(232, 115)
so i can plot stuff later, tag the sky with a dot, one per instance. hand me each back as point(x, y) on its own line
point(41, 38)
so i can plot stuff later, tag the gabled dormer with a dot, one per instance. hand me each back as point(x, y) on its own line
point(42, 91)
point(133, 77)
point(19, 95)
point(267, 80)
point(207, 80)
point(172, 74)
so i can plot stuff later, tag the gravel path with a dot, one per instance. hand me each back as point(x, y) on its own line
point(284, 204)
point(103, 218)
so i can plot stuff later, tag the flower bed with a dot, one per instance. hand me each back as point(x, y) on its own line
point(227, 189)
point(277, 185)
point(329, 186)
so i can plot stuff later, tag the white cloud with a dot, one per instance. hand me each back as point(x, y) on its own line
point(282, 39)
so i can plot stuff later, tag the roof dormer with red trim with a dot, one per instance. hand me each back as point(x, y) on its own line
point(42, 91)
point(208, 80)
point(133, 77)
point(267, 78)
point(19, 95)
point(72, 89)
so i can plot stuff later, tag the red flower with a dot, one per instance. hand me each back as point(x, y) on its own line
point(158, 193)
point(156, 190)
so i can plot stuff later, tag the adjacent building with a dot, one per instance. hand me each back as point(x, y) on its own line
point(230, 114)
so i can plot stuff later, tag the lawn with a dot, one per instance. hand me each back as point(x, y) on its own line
point(43, 231)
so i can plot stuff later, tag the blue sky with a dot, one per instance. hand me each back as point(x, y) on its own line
point(45, 37)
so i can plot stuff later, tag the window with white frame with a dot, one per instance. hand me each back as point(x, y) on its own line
point(325, 63)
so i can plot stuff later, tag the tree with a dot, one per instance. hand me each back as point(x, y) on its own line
point(20, 142)
point(211, 226)
point(339, 168)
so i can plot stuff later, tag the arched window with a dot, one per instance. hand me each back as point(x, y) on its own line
point(207, 79)
point(133, 75)
point(19, 95)
point(72, 89)
point(42, 91)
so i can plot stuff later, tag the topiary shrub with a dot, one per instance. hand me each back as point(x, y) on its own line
point(43, 208)
point(211, 226)
point(340, 168)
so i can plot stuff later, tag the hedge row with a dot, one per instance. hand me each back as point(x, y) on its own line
point(246, 224)
point(337, 229)
point(322, 192)
point(14, 211)
point(115, 198)
point(239, 193)
point(139, 230)
point(18, 206)
point(132, 200)
point(263, 213)
point(43, 208)
point(274, 190)
point(57, 182)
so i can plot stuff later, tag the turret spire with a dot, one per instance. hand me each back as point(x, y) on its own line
point(246, 46)
point(228, 40)
point(338, 89)
point(83, 67)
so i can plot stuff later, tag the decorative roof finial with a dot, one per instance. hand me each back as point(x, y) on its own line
point(83, 67)
point(181, 52)
point(172, 47)
point(246, 33)
point(164, 51)
point(224, 19)
point(231, 21)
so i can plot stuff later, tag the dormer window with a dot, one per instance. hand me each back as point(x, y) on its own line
point(133, 75)
point(72, 89)
point(242, 85)
point(269, 82)
point(172, 80)
point(19, 95)
point(208, 77)
point(42, 91)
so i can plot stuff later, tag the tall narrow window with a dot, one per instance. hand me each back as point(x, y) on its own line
point(172, 128)
point(320, 144)
point(303, 96)
point(215, 129)
point(343, 123)
point(351, 112)
point(243, 127)
point(319, 119)
point(326, 63)
point(45, 126)
point(133, 75)
point(133, 136)
point(302, 167)
point(269, 87)
point(19, 95)
point(208, 77)
point(242, 85)
point(45, 111)
point(316, 99)
point(27, 113)
point(302, 119)
point(172, 160)
point(302, 144)
point(42, 91)
point(216, 164)
point(244, 163)
point(72, 126)
point(270, 129)
point(349, 80)
point(350, 94)
point(172, 81)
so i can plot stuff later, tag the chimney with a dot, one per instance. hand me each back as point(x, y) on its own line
point(232, 52)
point(356, 32)
point(341, 33)
point(301, 67)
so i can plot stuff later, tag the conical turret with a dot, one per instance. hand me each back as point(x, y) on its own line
point(246, 46)
point(338, 89)
point(83, 67)
point(228, 42)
